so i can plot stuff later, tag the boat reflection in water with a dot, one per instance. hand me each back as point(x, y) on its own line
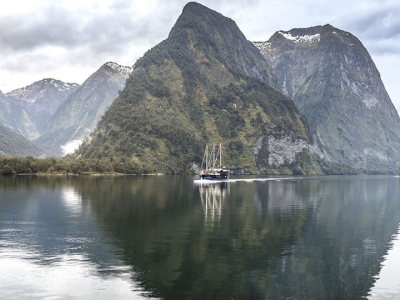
point(212, 196)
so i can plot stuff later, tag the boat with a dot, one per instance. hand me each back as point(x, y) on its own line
point(211, 167)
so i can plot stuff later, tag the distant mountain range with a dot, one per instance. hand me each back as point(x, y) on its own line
point(27, 110)
point(78, 115)
point(303, 99)
point(56, 116)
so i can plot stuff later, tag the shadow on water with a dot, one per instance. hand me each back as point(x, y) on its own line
point(291, 238)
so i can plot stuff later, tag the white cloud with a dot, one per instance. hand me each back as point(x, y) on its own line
point(391, 65)
point(70, 39)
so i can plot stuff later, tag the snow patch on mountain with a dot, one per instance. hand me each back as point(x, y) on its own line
point(301, 38)
point(64, 86)
point(17, 92)
point(263, 46)
point(121, 69)
point(25, 93)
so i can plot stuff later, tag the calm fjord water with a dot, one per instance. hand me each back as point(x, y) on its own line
point(167, 237)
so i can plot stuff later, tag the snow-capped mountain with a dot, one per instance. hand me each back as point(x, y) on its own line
point(77, 116)
point(27, 110)
point(35, 92)
point(334, 82)
point(123, 70)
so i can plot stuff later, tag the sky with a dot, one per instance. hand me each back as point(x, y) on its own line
point(69, 40)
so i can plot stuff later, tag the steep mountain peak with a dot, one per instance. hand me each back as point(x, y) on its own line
point(194, 7)
point(118, 68)
point(313, 35)
point(331, 77)
point(199, 11)
point(202, 19)
point(213, 40)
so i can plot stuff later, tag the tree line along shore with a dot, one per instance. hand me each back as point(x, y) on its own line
point(80, 166)
point(120, 165)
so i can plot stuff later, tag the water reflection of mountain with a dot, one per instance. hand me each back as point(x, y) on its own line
point(340, 252)
point(306, 238)
point(284, 196)
point(48, 218)
point(53, 245)
point(160, 223)
point(298, 238)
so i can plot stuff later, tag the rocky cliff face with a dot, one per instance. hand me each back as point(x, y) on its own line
point(27, 110)
point(78, 115)
point(335, 84)
point(205, 83)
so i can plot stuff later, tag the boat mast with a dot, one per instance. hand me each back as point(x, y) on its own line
point(220, 155)
point(207, 157)
point(212, 158)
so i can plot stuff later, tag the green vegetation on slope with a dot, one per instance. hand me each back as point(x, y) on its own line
point(12, 143)
point(123, 165)
point(48, 166)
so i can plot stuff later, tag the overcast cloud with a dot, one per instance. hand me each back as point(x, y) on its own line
point(70, 39)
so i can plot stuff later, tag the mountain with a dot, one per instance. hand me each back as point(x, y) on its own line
point(3, 106)
point(27, 110)
point(78, 115)
point(13, 144)
point(205, 83)
point(14, 116)
point(334, 82)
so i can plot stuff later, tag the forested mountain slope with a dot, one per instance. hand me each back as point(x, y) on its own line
point(205, 83)
point(13, 144)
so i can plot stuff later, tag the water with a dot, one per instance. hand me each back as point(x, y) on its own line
point(333, 237)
